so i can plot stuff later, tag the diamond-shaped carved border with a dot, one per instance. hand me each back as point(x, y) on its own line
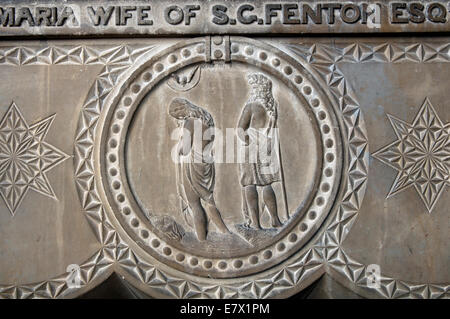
point(115, 59)
point(325, 59)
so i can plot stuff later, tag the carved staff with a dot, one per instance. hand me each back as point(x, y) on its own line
point(283, 185)
point(178, 181)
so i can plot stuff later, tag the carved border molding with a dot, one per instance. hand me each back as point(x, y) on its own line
point(325, 58)
point(314, 53)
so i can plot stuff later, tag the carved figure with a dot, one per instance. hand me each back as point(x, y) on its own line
point(261, 165)
point(195, 167)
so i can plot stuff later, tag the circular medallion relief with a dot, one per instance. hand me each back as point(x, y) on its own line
point(220, 169)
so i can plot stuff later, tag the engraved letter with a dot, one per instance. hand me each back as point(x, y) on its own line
point(270, 12)
point(190, 14)
point(24, 14)
point(416, 13)
point(43, 16)
point(437, 13)
point(288, 13)
point(308, 12)
point(142, 15)
point(7, 16)
point(66, 14)
point(397, 12)
point(354, 17)
point(220, 17)
point(173, 15)
point(125, 14)
point(100, 16)
point(249, 19)
point(331, 7)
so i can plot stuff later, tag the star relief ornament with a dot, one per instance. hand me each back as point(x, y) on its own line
point(421, 155)
point(25, 157)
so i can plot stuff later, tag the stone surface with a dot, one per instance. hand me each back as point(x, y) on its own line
point(327, 175)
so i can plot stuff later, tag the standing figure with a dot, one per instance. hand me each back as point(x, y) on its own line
point(195, 167)
point(260, 167)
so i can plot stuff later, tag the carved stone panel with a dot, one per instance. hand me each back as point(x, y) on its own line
point(222, 166)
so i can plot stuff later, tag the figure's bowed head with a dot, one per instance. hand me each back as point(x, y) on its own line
point(178, 108)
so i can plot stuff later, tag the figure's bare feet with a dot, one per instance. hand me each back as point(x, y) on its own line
point(255, 226)
point(276, 222)
point(225, 230)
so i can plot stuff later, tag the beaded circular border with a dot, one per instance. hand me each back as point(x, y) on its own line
point(142, 81)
